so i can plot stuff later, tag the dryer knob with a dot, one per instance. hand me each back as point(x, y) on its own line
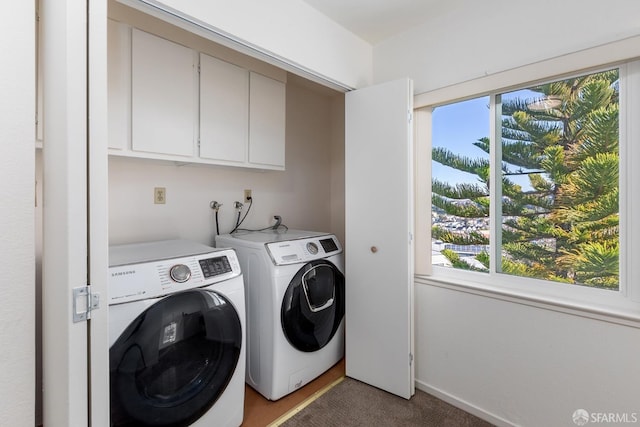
point(180, 273)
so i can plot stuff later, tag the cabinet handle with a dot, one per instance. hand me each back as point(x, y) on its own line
point(374, 249)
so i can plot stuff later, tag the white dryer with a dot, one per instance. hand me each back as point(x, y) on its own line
point(295, 290)
point(176, 335)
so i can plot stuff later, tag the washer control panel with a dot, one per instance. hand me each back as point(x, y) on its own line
point(180, 273)
point(303, 250)
point(154, 278)
point(212, 267)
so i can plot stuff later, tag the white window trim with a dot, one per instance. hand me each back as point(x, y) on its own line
point(621, 306)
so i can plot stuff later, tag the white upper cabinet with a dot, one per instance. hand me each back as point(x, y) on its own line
point(163, 95)
point(171, 102)
point(224, 110)
point(118, 84)
point(266, 121)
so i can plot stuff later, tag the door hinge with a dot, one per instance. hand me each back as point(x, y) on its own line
point(84, 302)
point(409, 116)
point(410, 359)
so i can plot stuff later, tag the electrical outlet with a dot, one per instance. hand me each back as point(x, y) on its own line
point(247, 196)
point(159, 195)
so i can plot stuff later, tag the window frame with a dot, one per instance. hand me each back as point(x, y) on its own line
point(621, 306)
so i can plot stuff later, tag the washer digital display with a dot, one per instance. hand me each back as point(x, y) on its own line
point(215, 266)
point(329, 245)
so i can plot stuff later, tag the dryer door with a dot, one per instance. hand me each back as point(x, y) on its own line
point(313, 306)
point(173, 362)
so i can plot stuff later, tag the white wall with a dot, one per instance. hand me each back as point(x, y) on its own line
point(520, 364)
point(478, 38)
point(510, 362)
point(289, 29)
point(17, 293)
point(303, 194)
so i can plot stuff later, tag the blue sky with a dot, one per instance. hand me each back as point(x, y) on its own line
point(457, 126)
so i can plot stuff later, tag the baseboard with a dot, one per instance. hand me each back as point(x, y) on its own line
point(465, 406)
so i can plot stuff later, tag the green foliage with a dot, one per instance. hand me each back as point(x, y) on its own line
point(472, 238)
point(565, 227)
point(594, 263)
point(458, 262)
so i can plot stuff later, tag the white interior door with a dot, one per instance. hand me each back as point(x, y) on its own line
point(65, 381)
point(98, 213)
point(75, 388)
point(379, 227)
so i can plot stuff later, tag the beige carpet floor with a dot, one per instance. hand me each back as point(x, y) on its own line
point(352, 403)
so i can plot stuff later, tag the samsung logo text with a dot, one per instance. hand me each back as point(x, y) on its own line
point(123, 273)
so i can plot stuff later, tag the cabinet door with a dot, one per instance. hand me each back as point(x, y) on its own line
point(224, 110)
point(266, 121)
point(119, 81)
point(163, 96)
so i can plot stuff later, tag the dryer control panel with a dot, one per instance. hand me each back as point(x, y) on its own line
point(303, 250)
point(154, 278)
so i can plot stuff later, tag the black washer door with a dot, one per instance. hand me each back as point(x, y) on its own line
point(313, 306)
point(174, 360)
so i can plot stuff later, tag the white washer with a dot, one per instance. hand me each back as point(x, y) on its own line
point(294, 288)
point(176, 335)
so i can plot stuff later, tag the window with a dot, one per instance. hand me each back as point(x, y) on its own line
point(557, 186)
point(532, 190)
point(459, 185)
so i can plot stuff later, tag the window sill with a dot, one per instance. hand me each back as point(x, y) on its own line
point(616, 309)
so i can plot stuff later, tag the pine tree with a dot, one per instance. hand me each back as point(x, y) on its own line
point(565, 226)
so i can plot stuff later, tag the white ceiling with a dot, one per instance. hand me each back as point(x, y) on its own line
point(375, 20)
